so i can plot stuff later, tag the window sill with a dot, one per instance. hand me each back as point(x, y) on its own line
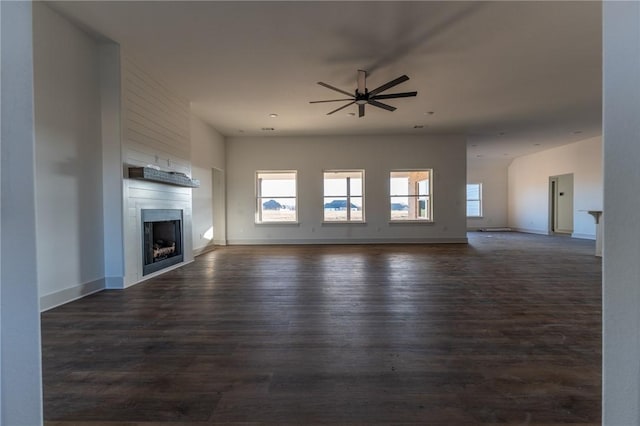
point(475, 217)
point(278, 223)
point(411, 222)
point(342, 222)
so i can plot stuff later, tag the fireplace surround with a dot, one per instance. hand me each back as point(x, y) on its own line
point(162, 242)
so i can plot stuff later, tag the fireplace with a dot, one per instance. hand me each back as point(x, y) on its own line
point(161, 239)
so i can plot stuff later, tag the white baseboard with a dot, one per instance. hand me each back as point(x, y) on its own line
point(273, 241)
point(158, 273)
point(583, 236)
point(203, 250)
point(70, 294)
point(531, 231)
point(220, 242)
point(490, 229)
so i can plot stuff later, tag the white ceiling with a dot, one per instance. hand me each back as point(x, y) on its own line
point(517, 77)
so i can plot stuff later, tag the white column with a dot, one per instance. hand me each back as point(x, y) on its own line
point(112, 198)
point(621, 263)
point(21, 383)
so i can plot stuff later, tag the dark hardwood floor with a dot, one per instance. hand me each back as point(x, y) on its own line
point(506, 329)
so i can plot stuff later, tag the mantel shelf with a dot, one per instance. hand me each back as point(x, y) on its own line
point(161, 176)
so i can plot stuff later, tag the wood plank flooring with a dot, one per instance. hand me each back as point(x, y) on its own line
point(504, 330)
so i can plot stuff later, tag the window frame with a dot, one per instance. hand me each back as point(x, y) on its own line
point(429, 196)
point(348, 196)
point(479, 200)
point(258, 216)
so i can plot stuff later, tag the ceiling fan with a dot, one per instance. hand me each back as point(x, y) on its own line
point(363, 96)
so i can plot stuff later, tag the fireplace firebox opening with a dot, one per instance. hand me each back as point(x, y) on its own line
point(161, 239)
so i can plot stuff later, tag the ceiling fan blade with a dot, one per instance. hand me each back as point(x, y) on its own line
point(330, 100)
point(362, 81)
point(361, 110)
point(381, 105)
point(389, 85)
point(395, 95)
point(342, 107)
point(328, 86)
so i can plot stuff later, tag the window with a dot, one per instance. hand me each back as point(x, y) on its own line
point(410, 193)
point(474, 200)
point(276, 197)
point(343, 196)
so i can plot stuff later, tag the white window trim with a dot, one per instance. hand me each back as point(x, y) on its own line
point(418, 220)
point(481, 215)
point(258, 197)
point(348, 221)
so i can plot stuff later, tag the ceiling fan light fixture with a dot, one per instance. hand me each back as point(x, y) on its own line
point(363, 96)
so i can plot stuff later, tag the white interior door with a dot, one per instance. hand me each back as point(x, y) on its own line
point(561, 200)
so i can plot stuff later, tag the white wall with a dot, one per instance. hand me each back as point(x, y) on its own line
point(621, 269)
point(20, 359)
point(446, 154)
point(97, 112)
point(207, 153)
point(68, 159)
point(528, 186)
point(155, 130)
point(492, 174)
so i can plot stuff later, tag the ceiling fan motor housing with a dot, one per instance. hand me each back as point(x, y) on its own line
point(362, 98)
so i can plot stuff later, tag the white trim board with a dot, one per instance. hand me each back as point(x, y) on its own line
point(583, 236)
point(531, 231)
point(202, 250)
point(158, 273)
point(70, 294)
point(348, 241)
